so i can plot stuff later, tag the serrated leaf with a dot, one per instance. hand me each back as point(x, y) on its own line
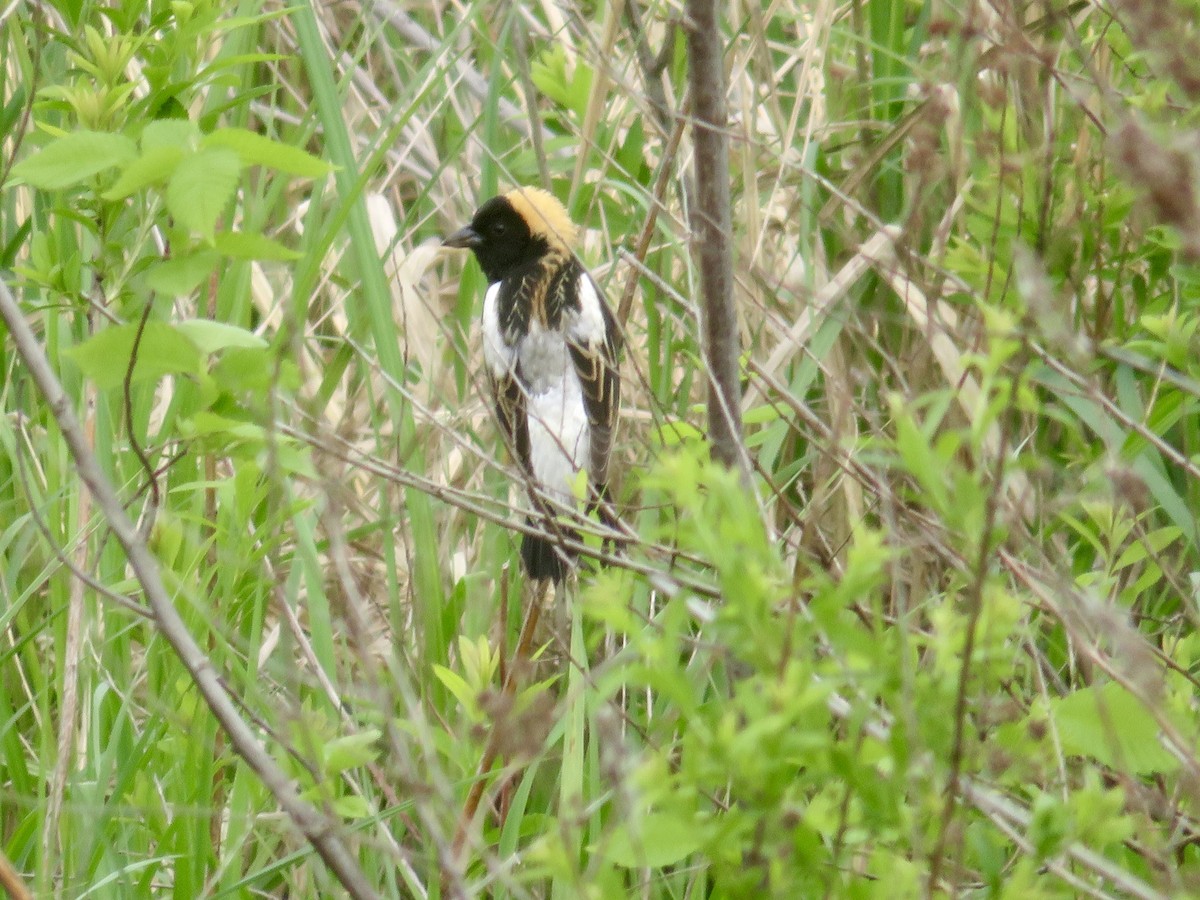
point(210, 336)
point(581, 87)
point(549, 75)
point(154, 165)
point(661, 839)
point(74, 158)
point(254, 149)
point(201, 186)
point(252, 245)
point(180, 276)
point(351, 750)
point(163, 350)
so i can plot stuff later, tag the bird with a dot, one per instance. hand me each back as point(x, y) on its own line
point(551, 351)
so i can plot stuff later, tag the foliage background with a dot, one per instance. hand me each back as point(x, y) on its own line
point(947, 643)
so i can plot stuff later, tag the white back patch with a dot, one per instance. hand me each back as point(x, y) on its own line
point(586, 326)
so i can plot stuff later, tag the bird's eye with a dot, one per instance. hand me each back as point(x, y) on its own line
point(499, 228)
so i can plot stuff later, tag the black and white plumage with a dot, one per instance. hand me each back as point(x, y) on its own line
point(550, 346)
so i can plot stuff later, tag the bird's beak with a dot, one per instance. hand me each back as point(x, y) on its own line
point(465, 238)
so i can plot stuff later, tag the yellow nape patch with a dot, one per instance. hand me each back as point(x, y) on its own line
point(544, 215)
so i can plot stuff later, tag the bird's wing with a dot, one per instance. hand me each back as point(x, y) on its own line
point(507, 394)
point(594, 345)
point(510, 411)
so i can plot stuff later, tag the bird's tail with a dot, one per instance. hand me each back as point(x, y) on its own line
point(544, 556)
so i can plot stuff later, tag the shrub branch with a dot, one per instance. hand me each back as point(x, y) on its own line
point(711, 230)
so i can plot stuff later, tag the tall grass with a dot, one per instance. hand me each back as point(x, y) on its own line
point(944, 645)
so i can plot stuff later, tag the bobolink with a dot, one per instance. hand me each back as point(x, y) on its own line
point(550, 345)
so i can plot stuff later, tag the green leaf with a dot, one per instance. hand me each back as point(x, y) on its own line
point(606, 600)
point(210, 336)
point(581, 88)
point(352, 807)
point(13, 108)
point(254, 149)
point(1049, 826)
point(201, 186)
point(579, 485)
point(251, 369)
point(675, 433)
point(662, 839)
point(294, 460)
point(1110, 725)
point(153, 166)
point(252, 245)
point(549, 75)
point(205, 423)
point(1154, 543)
point(762, 414)
point(351, 750)
point(75, 158)
point(180, 276)
point(919, 458)
point(458, 686)
point(629, 157)
point(178, 134)
point(164, 350)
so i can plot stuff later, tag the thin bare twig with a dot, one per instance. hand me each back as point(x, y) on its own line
point(134, 443)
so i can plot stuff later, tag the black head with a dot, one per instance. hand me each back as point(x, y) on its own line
point(500, 238)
